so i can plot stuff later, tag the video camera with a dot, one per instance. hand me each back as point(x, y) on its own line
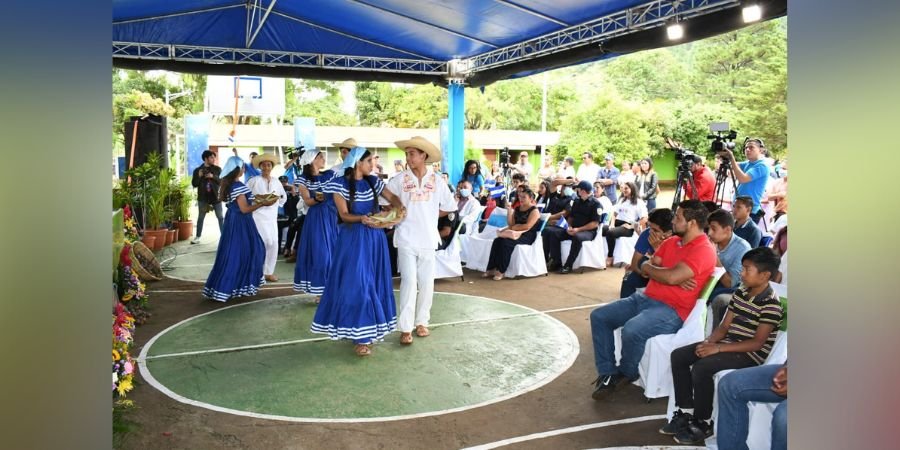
point(723, 139)
point(294, 151)
point(504, 158)
point(686, 158)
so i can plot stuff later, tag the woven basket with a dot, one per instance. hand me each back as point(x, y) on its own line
point(144, 262)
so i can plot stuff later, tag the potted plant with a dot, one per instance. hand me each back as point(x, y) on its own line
point(156, 192)
point(182, 197)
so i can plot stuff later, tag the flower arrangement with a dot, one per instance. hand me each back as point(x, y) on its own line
point(132, 292)
point(131, 229)
point(122, 365)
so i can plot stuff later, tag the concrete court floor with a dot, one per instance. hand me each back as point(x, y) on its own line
point(160, 422)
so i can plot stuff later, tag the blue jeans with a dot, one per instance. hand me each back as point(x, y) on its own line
point(752, 384)
point(641, 318)
point(202, 207)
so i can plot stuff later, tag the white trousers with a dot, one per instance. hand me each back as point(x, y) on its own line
point(268, 231)
point(416, 274)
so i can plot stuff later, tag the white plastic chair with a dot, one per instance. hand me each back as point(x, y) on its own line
point(477, 249)
point(447, 263)
point(593, 252)
point(625, 248)
point(528, 260)
point(655, 368)
point(470, 221)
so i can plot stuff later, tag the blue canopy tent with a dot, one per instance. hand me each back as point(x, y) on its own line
point(455, 43)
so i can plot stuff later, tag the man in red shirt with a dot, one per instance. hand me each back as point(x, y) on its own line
point(704, 180)
point(678, 270)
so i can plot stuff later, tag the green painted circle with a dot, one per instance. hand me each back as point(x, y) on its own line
point(480, 351)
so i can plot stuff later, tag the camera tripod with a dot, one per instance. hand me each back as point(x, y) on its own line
point(684, 174)
point(722, 175)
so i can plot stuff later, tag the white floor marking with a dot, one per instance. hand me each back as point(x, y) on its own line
point(562, 365)
point(576, 429)
point(301, 341)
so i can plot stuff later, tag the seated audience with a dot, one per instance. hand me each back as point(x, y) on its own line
point(606, 205)
point(766, 384)
point(743, 339)
point(677, 272)
point(659, 229)
point(730, 248)
point(581, 225)
point(524, 222)
point(629, 214)
point(743, 224)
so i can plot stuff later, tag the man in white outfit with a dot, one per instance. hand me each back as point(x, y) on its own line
point(426, 197)
point(266, 217)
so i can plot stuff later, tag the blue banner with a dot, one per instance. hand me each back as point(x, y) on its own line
point(196, 140)
point(305, 135)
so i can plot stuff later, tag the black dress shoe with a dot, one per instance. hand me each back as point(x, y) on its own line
point(565, 270)
point(552, 266)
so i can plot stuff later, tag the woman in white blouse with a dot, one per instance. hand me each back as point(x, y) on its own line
point(629, 216)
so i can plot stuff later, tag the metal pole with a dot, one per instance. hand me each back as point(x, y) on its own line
point(544, 121)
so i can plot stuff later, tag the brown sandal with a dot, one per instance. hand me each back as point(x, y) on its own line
point(362, 350)
point(422, 331)
point(406, 338)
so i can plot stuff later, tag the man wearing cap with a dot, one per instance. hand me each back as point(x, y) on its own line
point(425, 198)
point(266, 217)
point(344, 147)
point(582, 221)
point(609, 177)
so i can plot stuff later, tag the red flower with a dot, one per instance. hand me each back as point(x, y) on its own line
point(125, 256)
point(126, 211)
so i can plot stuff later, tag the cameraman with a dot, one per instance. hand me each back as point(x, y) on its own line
point(752, 174)
point(704, 181)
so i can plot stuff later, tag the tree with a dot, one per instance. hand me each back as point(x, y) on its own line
point(609, 125)
point(649, 75)
point(315, 98)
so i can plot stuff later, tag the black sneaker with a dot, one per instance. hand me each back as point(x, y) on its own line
point(565, 270)
point(605, 385)
point(552, 265)
point(679, 422)
point(695, 432)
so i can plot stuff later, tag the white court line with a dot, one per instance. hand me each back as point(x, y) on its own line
point(546, 434)
point(266, 287)
point(301, 341)
point(562, 366)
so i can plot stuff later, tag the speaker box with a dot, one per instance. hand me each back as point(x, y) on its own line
point(152, 137)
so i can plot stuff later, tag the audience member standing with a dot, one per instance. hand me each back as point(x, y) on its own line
point(647, 184)
point(249, 170)
point(608, 176)
point(588, 170)
point(704, 181)
point(752, 175)
point(206, 180)
point(523, 166)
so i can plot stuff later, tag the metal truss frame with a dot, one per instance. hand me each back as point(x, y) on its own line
point(641, 17)
point(220, 55)
point(645, 16)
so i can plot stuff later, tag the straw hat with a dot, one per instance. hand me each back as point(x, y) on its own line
point(434, 153)
point(264, 157)
point(348, 143)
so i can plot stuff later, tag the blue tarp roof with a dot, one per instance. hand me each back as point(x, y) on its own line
point(407, 40)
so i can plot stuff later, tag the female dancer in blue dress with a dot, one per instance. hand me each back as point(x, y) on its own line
point(320, 227)
point(358, 302)
point(238, 269)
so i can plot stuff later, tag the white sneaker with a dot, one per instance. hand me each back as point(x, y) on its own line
point(195, 240)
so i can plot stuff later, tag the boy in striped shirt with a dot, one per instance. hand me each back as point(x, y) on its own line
point(743, 339)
